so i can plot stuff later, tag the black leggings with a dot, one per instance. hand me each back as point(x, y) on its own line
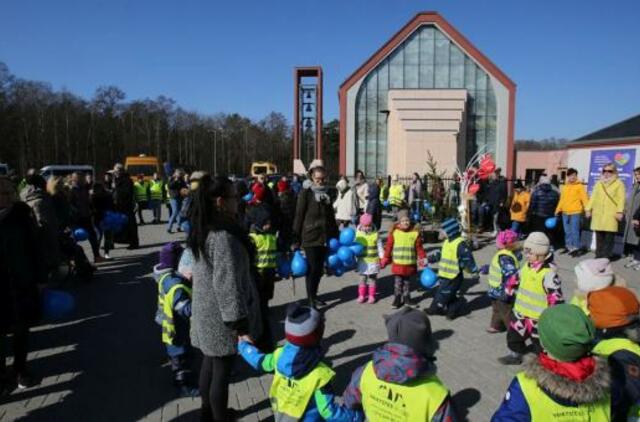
point(215, 375)
point(605, 241)
point(20, 349)
point(315, 261)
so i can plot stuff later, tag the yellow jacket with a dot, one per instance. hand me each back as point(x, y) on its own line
point(573, 199)
point(520, 206)
point(604, 207)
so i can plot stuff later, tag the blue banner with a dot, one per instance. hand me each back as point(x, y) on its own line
point(624, 160)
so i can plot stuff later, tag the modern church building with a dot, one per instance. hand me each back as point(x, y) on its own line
point(428, 89)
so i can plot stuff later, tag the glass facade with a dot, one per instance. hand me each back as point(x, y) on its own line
point(427, 59)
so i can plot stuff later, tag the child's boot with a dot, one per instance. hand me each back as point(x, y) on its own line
point(372, 294)
point(362, 291)
point(397, 295)
point(406, 295)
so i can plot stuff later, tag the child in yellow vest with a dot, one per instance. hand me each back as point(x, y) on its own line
point(301, 387)
point(591, 275)
point(454, 257)
point(400, 383)
point(369, 261)
point(503, 277)
point(539, 288)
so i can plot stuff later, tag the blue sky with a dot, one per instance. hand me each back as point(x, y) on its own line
point(576, 63)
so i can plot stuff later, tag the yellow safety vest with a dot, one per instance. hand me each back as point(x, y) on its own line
point(141, 191)
point(543, 408)
point(495, 271)
point(606, 348)
point(165, 303)
point(396, 195)
point(581, 302)
point(449, 266)
point(404, 247)
point(156, 190)
point(413, 402)
point(290, 397)
point(531, 298)
point(370, 243)
point(266, 249)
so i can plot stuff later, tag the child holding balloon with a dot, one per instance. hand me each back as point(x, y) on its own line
point(405, 252)
point(369, 261)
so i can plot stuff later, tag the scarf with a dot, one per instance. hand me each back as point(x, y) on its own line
point(320, 193)
point(577, 371)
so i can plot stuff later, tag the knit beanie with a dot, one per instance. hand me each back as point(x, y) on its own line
point(169, 256)
point(566, 332)
point(594, 274)
point(366, 219)
point(304, 326)
point(613, 306)
point(402, 214)
point(537, 243)
point(451, 227)
point(411, 328)
point(259, 193)
point(506, 238)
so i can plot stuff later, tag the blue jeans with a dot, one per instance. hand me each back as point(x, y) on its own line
point(516, 226)
point(176, 205)
point(571, 224)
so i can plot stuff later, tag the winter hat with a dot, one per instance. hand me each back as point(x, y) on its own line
point(366, 219)
point(594, 274)
point(566, 332)
point(538, 243)
point(316, 163)
point(451, 227)
point(412, 328)
point(197, 176)
point(613, 306)
point(518, 185)
point(304, 326)
point(506, 238)
point(259, 192)
point(169, 256)
point(258, 215)
point(402, 214)
point(283, 186)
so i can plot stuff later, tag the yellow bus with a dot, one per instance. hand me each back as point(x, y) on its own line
point(263, 167)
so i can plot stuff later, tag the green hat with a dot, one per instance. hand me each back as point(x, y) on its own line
point(566, 332)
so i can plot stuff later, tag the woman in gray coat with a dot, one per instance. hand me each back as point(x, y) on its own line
point(631, 238)
point(225, 306)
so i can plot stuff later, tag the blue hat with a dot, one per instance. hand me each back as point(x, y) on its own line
point(451, 227)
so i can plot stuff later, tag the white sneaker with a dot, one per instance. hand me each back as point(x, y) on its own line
point(107, 257)
point(632, 263)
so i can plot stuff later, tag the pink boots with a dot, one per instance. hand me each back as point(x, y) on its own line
point(362, 291)
point(372, 294)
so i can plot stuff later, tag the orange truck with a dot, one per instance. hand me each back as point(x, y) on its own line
point(142, 164)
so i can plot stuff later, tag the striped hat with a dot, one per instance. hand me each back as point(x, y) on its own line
point(304, 326)
point(451, 227)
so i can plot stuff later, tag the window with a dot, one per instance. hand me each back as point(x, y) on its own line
point(531, 176)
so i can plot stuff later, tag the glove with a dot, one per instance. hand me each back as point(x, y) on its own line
point(384, 262)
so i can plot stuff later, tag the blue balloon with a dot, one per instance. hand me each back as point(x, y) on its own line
point(80, 235)
point(386, 204)
point(426, 205)
point(333, 261)
point(551, 222)
point(345, 254)
point(57, 304)
point(347, 236)
point(428, 278)
point(284, 268)
point(298, 265)
point(334, 244)
point(248, 197)
point(338, 272)
point(416, 216)
point(357, 249)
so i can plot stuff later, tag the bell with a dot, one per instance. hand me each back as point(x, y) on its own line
point(308, 109)
point(308, 95)
point(308, 124)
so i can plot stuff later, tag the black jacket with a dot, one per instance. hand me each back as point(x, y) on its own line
point(314, 222)
point(123, 195)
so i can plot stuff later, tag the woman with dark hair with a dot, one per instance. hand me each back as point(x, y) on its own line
point(314, 224)
point(225, 305)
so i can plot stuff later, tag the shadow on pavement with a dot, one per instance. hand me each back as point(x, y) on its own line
point(464, 400)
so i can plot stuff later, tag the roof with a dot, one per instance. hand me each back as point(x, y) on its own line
point(628, 129)
point(400, 36)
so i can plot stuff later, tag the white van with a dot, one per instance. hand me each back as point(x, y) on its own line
point(65, 170)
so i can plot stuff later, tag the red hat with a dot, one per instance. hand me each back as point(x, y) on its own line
point(283, 186)
point(259, 192)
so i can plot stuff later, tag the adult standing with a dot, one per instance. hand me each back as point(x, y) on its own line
point(142, 188)
point(360, 193)
point(225, 305)
point(631, 238)
point(416, 193)
point(573, 199)
point(606, 210)
point(374, 206)
point(124, 202)
point(544, 201)
point(177, 188)
point(21, 271)
point(80, 201)
point(495, 198)
point(313, 225)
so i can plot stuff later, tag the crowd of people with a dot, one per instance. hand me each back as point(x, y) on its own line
point(214, 291)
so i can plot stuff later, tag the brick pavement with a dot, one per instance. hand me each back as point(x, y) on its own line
point(107, 363)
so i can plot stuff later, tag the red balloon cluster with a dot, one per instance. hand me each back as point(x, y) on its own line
point(487, 166)
point(474, 188)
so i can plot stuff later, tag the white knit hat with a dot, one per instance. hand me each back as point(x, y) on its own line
point(538, 243)
point(594, 274)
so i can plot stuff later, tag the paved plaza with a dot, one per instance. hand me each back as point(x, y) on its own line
point(107, 363)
